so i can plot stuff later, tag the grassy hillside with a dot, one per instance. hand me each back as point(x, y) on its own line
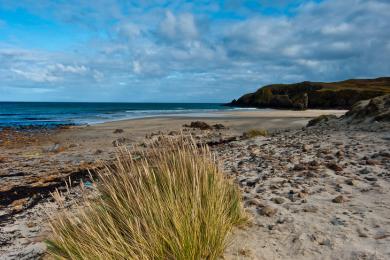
point(308, 94)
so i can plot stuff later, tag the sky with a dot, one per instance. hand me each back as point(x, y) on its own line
point(184, 51)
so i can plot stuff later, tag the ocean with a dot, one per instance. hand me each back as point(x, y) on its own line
point(68, 113)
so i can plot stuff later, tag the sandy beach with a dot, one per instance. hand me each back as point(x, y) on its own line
point(321, 191)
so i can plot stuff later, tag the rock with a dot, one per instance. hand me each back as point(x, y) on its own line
point(260, 190)
point(339, 199)
point(174, 133)
point(370, 178)
point(199, 125)
point(278, 200)
point(302, 194)
point(119, 141)
point(375, 109)
point(252, 182)
point(350, 182)
point(306, 148)
point(310, 208)
point(365, 171)
point(372, 162)
point(268, 211)
point(338, 221)
point(361, 233)
point(55, 148)
point(219, 126)
point(335, 167)
point(98, 151)
point(118, 131)
point(299, 167)
point(254, 202)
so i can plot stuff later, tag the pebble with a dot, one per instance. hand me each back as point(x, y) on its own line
point(339, 199)
point(268, 211)
point(278, 200)
point(310, 209)
point(299, 167)
point(365, 171)
point(350, 182)
point(335, 167)
point(370, 178)
point(254, 202)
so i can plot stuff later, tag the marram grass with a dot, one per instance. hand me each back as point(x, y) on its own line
point(171, 203)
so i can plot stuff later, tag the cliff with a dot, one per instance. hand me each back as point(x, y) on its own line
point(342, 94)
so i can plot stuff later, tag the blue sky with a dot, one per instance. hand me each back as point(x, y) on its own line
point(184, 51)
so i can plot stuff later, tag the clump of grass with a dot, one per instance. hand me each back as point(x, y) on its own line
point(172, 203)
point(255, 132)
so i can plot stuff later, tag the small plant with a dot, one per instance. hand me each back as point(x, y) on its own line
point(170, 203)
point(255, 132)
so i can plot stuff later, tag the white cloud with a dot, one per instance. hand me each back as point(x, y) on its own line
point(336, 29)
point(69, 68)
point(181, 27)
point(36, 75)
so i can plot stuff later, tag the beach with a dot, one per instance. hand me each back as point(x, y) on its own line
point(315, 189)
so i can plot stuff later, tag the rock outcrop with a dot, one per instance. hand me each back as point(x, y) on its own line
point(376, 109)
point(364, 112)
point(340, 95)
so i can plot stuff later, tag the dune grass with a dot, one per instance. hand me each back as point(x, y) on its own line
point(255, 132)
point(172, 203)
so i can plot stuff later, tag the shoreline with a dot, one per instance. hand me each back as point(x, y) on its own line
point(229, 113)
point(36, 163)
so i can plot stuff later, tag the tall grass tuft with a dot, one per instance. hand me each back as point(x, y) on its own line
point(170, 203)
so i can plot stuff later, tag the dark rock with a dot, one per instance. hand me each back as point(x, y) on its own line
point(350, 182)
point(299, 167)
point(339, 199)
point(98, 151)
point(268, 211)
point(252, 182)
point(370, 178)
point(278, 200)
point(335, 167)
point(118, 131)
point(199, 125)
point(119, 141)
point(365, 171)
point(219, 126)
point(254, 202)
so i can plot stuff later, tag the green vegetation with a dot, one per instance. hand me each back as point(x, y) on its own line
point(255, 132)
point(171, 203)
point(307, 94)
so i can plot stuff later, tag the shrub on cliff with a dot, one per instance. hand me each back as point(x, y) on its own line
point(172, 203)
